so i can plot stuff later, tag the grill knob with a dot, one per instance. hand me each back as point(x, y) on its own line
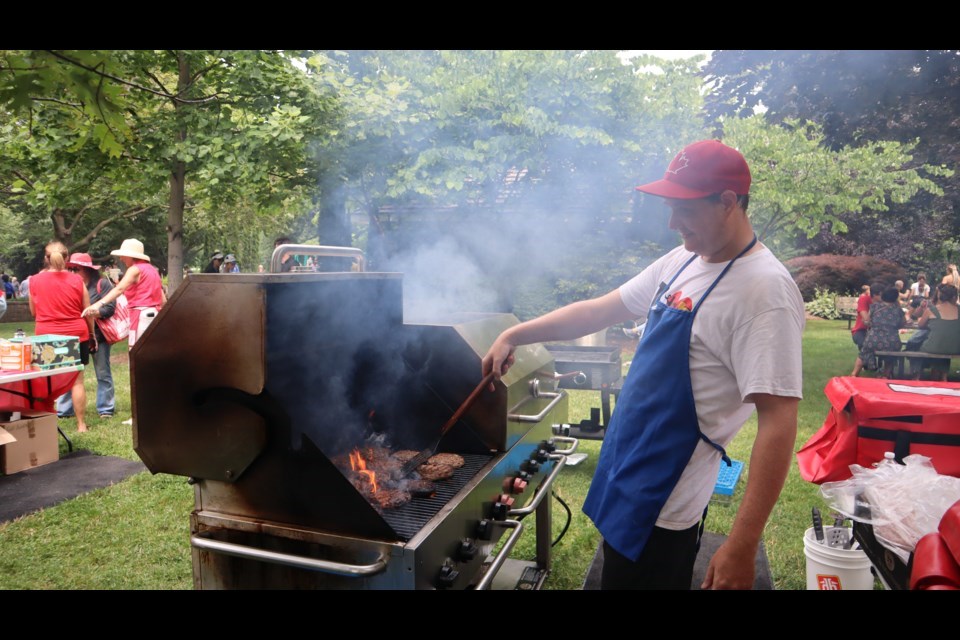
point(501, 507)
point(448, 575)
point(548, 445)
point(467, 551)
point(531, 466)
point(523, 475)
point(485, 529)
point(542, 455)
point(518, 485)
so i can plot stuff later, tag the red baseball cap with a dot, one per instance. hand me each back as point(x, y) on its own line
point(702, 169)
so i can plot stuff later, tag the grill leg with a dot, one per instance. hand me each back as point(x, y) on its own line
point(544, 532)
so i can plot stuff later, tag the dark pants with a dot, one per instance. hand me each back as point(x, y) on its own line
point(666, 562)
point(858, 338)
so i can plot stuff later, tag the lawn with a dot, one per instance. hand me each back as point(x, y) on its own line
point(135, 534)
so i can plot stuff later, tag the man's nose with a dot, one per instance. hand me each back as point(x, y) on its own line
point(672, 222)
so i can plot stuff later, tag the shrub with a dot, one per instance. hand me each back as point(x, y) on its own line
point(823, 305)
point(842, 274)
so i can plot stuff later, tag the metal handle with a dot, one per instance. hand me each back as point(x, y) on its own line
point(315, 250)
point(555, 398)
point(566, 452)
point(497, 563)
point(300, 562)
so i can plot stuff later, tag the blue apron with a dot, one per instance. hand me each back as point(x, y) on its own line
point(653, 431)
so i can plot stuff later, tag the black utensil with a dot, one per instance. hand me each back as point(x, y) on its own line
point(817, 525)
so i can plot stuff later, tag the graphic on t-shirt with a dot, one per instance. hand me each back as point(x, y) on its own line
point(675, 301)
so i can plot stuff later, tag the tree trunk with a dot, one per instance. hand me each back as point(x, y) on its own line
point(177, 191)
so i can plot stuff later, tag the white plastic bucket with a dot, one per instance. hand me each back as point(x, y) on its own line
point(835, 568)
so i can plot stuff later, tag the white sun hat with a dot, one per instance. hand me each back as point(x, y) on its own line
point(131, 248)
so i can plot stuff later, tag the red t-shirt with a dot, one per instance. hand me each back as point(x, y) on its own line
point(863, 304)
point(58, 301)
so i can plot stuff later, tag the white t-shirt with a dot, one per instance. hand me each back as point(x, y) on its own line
point(746, 339)
point(917, 291)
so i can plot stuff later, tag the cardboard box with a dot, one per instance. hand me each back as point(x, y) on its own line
point(28, 442)
point(49, 351)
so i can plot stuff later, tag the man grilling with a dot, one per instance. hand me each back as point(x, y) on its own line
point(724, 321)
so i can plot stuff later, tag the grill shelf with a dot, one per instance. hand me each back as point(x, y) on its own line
point(407, 520)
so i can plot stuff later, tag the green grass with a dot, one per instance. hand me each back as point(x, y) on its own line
point(135, 534)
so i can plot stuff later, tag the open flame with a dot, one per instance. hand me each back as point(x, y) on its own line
point(358, 464)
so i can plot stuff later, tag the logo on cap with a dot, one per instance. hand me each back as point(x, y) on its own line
point(679, 163)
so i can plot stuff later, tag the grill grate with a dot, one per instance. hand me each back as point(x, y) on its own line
point(407, 520)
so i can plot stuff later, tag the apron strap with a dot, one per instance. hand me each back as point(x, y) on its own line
point(723, 273)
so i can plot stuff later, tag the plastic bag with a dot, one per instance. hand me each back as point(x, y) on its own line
point(902, 503)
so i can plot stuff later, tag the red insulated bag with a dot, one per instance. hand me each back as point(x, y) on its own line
point(116, 327)
point(870, 416)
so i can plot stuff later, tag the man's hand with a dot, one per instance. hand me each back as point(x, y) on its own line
point(499, 358)
point(92, 344)
point(730, 568)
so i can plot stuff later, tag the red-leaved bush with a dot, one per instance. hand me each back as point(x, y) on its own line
point(842, 274)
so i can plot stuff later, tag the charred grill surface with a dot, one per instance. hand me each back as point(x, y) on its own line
point(407, 520)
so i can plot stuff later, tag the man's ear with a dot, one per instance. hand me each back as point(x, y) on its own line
point(729, 199)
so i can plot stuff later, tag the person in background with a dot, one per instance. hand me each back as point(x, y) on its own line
point(57, 301)
point(259, 268)
point(25, 288)
point(230, 264)
point(287, 261)
point(97, 287)
point(708, 357)
point(943, 321)
point(3, 306)
point(952, 277)
point(8, 289)
point(920, 288)
point(141, 284)
point(859, 330)
point(884, 321)
point(214, 265)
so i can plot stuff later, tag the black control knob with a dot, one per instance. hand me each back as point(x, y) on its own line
point(531, 466)
point(499, 511)
point(466, 551)
point(541, 456)
point(548, 445)
point(448, 576)
point(501, 507)
point(485, 529)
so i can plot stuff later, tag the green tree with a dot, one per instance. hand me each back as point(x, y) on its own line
point(800, 185)
point(907, 96)
point(543, 146)
point(236, 125)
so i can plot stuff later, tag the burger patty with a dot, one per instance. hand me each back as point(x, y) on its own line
point(391, 498)
point(435, 471)
point(450, 459)
point(420, 488)
point(405, 455)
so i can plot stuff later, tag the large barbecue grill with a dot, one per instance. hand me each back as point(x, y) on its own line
point(256, 388)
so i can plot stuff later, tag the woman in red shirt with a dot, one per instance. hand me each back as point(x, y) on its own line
point(143, 287)
point(57, 301)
